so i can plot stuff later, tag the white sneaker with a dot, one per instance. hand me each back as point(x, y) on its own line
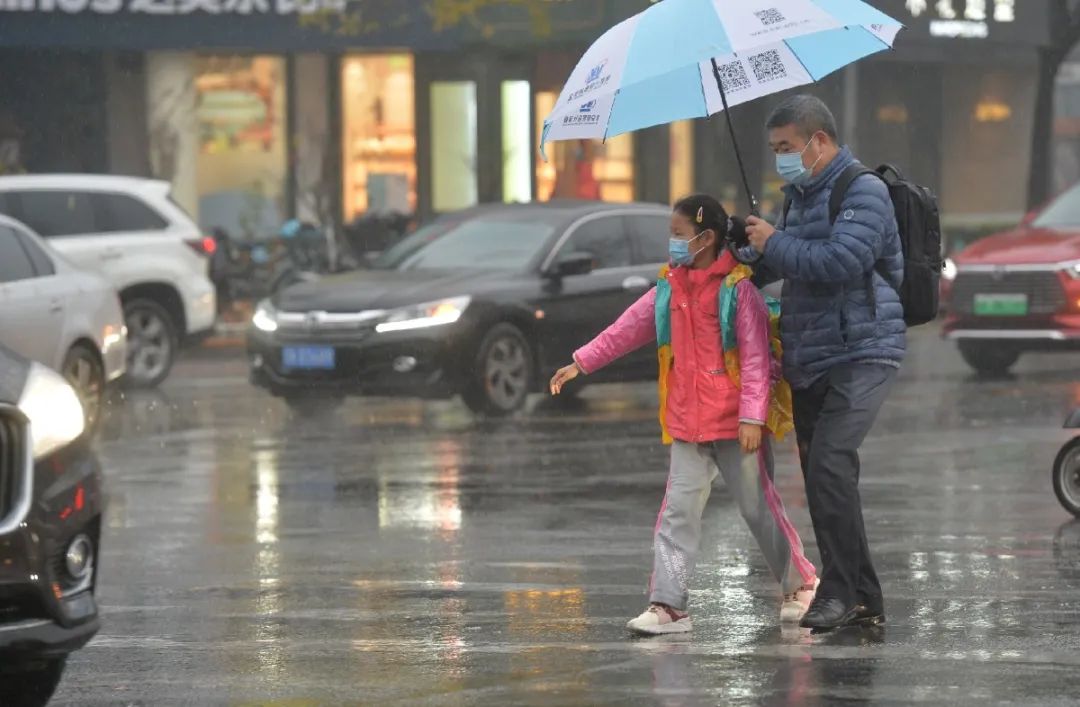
point(796, 604)
point(659, 620)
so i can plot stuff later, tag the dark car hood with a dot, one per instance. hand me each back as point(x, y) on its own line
point(1023, 246)
point(386, 289)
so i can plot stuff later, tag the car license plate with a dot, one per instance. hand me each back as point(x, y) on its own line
point(1001, 305)
point(308, 357)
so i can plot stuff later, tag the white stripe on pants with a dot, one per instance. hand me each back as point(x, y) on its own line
point(694, 469)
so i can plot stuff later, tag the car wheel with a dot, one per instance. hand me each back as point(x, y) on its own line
point(32, 686)
point(502, 373)
point(1067, 477)
point(313, 404)
point(82, 368)
point(152, 343)
point(988, 358)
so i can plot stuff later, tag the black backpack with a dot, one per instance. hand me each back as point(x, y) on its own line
point(920, 237)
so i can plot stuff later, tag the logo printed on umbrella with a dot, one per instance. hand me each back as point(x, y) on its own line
point(597, 72)
point(586, 115)
point(594, 81)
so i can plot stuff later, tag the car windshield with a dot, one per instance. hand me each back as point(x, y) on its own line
point(395, 255)
point(498, 242)
point(1063, 212)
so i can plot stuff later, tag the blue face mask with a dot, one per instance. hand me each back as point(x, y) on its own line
point(679, 250)
point(790, 167)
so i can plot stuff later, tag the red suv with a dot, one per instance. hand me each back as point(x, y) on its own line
point(1018, 291)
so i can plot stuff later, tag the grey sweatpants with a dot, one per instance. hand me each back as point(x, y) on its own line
point(694, 468)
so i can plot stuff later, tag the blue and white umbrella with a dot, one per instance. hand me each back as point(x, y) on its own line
point(684, 59)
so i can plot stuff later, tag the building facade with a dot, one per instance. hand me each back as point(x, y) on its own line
point(257, 110)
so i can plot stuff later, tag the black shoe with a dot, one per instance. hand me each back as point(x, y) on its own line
point(827, 613)
point(869, 615)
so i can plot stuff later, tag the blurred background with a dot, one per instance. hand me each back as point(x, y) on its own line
point(330, 111)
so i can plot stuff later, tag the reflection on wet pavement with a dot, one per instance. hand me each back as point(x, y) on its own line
point(399, 552)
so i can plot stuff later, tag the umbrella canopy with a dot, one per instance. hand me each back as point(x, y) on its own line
point(669, 62)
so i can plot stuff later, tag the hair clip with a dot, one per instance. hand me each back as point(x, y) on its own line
point(700, 214)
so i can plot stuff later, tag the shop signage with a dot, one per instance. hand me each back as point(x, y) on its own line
point(1024, 22)
point(304, 25)
point(175, 7)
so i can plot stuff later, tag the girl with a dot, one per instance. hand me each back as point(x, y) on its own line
point(716, 378)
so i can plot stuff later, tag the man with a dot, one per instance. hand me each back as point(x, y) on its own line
point(844, 338)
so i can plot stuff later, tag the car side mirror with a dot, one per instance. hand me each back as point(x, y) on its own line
point(572, 264)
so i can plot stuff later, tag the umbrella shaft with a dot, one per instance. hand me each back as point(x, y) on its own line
point(734, 141)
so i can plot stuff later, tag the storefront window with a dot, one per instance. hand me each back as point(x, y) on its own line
point(516, 142)
point(241, 168)
point(379, 134)
point(453, 145)
point(984, 169)
point(584, 169)
point(681, 176)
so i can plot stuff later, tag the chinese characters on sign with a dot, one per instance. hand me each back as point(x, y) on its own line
point(176, 7)
point(974, 10)
point(962, 18)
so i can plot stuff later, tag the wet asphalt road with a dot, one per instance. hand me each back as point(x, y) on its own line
point(400, 552)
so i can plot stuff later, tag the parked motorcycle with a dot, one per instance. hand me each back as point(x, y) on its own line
point(251, 270)
point(1067, 469)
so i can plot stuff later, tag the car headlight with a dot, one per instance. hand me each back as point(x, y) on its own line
point(1073, 269)
point(53, 408)
point(421, 316)
point(265, 317)
point(949, 271)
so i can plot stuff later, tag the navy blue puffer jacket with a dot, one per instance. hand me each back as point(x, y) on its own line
point(828, 314)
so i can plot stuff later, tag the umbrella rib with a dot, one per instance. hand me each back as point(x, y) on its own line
point(704, 97)
point(607, 126)
point(799, 59)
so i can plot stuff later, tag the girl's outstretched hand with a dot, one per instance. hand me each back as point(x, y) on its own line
point(563, 376)
point(749, 437)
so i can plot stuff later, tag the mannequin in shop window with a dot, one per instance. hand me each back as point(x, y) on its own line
point(574, 178)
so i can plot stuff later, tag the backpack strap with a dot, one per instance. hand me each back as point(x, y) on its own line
point(843, 183)
point(836, 201)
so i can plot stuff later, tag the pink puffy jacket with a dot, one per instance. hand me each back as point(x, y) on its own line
point(704, 404)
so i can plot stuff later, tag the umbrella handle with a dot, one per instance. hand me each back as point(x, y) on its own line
point(750, 198)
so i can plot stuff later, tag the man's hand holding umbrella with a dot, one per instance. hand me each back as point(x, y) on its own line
point(760, 231)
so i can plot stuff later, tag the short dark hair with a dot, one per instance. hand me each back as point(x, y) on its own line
point(807, 113)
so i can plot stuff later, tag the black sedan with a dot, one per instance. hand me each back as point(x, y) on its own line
point(50, 524)
point(484, 304)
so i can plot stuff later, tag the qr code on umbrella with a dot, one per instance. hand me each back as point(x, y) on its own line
point(733, 77)
point(767, 66)
point(769, 17)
